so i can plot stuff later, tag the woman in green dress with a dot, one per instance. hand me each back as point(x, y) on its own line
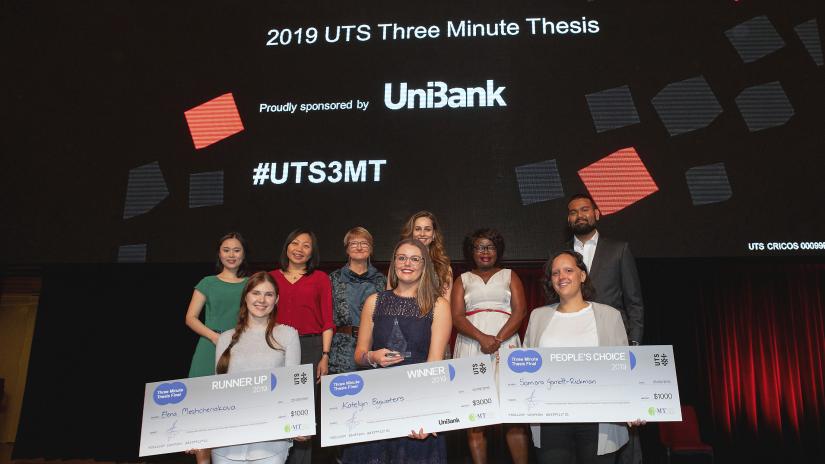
point(220, 295)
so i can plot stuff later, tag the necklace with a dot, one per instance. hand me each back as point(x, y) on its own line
point(293, 277)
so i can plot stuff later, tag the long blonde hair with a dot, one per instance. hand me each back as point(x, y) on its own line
point(437, 250)
point(428, 286)
point(243, 317)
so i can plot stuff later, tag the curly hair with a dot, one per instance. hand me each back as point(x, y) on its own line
point(490, 234)
point(438, 252)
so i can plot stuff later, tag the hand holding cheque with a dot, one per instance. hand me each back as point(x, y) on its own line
point(228, 409)
point(388, 403)
point(596, 384)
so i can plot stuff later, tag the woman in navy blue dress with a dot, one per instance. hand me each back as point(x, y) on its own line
point(414, 306)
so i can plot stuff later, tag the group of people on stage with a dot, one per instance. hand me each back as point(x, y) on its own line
point(343, 322)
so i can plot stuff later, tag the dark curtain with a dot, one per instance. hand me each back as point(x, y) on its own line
point(763, 342)
point(102, 333)
point(749, 339)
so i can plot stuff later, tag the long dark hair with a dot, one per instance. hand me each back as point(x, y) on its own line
point(588, 291)
point(242, 268)
point(243, 317)
point(314, 258)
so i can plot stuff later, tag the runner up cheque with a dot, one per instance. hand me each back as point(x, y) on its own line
point(228, 409)
point(595, 384)
point(390, 402)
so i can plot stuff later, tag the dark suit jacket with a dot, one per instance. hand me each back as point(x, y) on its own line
point(616, 280)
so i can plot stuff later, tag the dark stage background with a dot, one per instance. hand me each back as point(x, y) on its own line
point(134, 131)
point(748, 337)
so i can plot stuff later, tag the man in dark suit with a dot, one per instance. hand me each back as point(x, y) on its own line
point(614, 276)
point(611, 265)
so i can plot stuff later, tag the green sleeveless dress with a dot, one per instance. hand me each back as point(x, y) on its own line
point(223, 300)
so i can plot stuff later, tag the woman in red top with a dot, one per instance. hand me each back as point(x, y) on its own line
point(306, 304)
point(306, 298)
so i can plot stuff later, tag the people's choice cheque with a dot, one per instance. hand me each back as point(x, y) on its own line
point(229, 409)
point(598, 384)
point(388, 403)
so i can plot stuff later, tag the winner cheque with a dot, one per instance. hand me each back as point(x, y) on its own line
point(228, 409)
point(389, 403)
point(598, 384)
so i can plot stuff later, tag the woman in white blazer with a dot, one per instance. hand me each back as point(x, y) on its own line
point(575, 321)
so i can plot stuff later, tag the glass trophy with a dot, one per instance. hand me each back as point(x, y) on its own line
point(397, 342)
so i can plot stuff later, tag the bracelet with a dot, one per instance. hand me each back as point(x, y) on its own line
point(368, 361)
point(325, 353)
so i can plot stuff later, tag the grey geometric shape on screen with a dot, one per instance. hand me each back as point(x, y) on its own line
point(146, 188)
point(687, 105)
point(539, 182)
point(206, 189)
point(808, 33)
point(612, 108)
point(708, 184)
point(764, 106)
point(132, 253)
point(754, 38)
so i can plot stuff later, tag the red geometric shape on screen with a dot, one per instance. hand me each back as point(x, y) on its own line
point(618, 180)
point(213, 121)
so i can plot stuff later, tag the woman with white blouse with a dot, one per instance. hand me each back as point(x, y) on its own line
point(575, 322)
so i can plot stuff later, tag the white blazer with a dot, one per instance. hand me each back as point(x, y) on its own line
point(611, 332)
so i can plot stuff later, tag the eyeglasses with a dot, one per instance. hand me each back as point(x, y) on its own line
point(361, 244)
point(414, 260)
point(483, 248)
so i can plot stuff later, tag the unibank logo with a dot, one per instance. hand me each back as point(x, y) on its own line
point(439, 95)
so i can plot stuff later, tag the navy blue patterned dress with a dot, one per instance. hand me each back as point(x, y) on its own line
point(416, 330)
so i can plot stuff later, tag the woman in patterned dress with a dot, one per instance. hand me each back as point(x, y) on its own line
point(351, 285)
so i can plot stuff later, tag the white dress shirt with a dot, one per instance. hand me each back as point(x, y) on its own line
point(587, 249)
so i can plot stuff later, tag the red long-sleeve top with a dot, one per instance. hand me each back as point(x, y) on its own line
point(305, 305)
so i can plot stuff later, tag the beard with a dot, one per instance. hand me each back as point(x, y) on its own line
point(582, 228)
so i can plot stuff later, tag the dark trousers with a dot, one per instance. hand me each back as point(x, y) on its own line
point(571, 444)
point(311, 349)
point(631, 453)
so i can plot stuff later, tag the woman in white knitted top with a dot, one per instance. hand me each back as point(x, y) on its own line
point(257, 342)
